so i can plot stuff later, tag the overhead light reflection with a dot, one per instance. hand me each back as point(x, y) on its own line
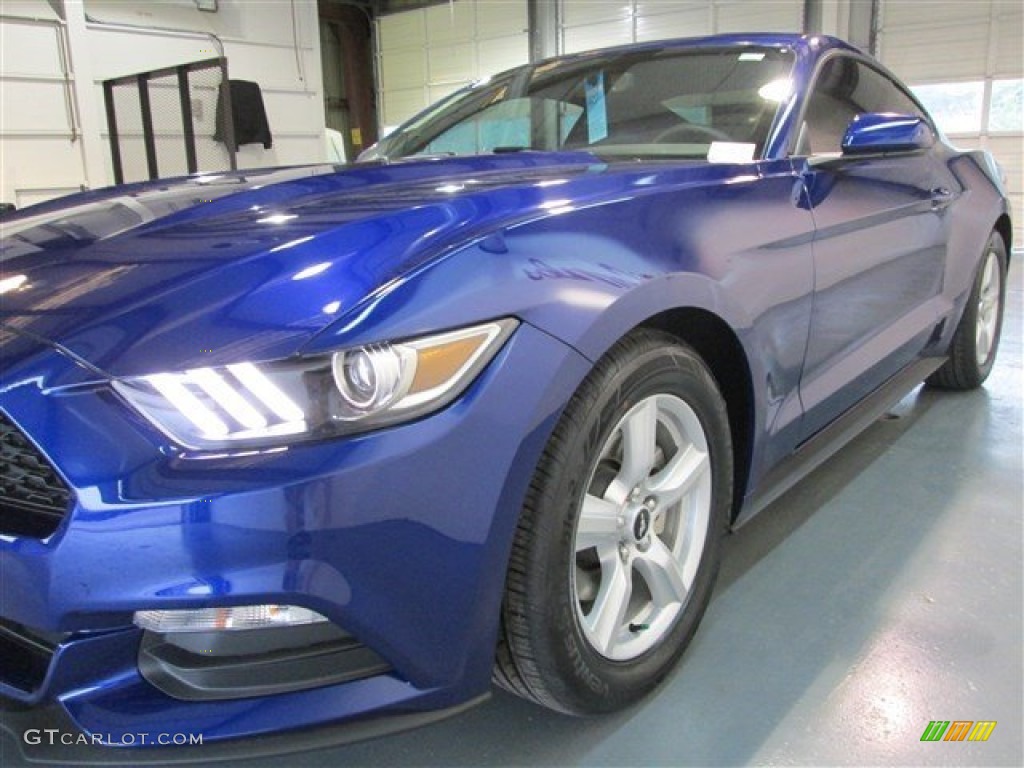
point(777, 90)
point(558, 206)
point(312, 271)
point(277, 218)
point(291, 244)
point(585, 299)
point(12, 283)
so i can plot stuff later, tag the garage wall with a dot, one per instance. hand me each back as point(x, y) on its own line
point(40, 155)
point(49, 122)
point(965, 61)
point(425, 54)
point(597, 23)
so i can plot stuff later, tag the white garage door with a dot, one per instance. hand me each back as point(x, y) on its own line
point(965, 61)
point(597, 23)
point(423, 55)
point(39, 127)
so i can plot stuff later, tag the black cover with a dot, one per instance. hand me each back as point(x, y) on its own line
point(249, 116)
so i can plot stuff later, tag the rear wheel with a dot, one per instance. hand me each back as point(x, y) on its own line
point(972, 352)
point(618, 544)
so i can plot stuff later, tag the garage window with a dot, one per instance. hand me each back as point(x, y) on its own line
point(956, 107)
point(1006, 113)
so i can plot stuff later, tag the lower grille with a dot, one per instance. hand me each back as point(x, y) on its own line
point(24, 657)
point(202, 666)
point(33, 497)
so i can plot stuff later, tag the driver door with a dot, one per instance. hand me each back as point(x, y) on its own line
point(879, 245)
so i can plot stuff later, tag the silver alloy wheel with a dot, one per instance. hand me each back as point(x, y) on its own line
point(988, 308)
point(641, 528)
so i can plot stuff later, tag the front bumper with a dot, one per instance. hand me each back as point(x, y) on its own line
point(48, 735)
point(399, 537)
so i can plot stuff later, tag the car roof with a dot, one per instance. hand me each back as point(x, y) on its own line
point(802, 43)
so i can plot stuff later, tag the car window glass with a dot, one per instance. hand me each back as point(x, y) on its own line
point(651, 101)
point(505, 125)
point(845, 88)
point(415, 136)
point(659, 103)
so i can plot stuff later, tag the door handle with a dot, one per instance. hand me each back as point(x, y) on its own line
point(941, 197)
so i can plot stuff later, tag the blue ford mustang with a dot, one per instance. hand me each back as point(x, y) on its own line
point(322, 445)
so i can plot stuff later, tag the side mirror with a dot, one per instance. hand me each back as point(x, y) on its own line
point(874, 132)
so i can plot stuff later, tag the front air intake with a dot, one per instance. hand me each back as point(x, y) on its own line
point(33, 498)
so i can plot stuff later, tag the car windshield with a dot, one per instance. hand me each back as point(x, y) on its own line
point(697, 103)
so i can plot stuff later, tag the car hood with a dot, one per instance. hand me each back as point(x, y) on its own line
point(216, 269)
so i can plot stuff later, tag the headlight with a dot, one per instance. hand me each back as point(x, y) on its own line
point(353, 390)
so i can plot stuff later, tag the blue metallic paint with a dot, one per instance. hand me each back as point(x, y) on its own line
point(873, 314)
point(874, 132)
point(391, 568)
point(401, 536)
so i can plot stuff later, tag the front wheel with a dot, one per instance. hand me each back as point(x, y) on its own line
point(618, 543)
point(972, 353)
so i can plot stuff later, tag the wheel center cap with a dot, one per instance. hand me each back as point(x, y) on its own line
point(641, 524)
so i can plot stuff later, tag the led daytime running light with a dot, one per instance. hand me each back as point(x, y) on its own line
point(353, 390)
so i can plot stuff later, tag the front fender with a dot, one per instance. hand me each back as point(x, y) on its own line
point(588, 274)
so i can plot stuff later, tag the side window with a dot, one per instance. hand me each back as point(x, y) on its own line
point(884, 95)
point(844, 89)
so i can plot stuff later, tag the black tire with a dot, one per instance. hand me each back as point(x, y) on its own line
point(964, 370)
point(544, 653)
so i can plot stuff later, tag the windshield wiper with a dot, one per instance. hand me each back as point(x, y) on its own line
point(509, 150)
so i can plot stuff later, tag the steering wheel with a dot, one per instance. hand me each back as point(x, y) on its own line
point(703, 131)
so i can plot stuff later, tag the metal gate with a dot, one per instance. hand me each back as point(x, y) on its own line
point(170, 122)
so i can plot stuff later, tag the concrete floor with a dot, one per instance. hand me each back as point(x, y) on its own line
point(883, 592)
